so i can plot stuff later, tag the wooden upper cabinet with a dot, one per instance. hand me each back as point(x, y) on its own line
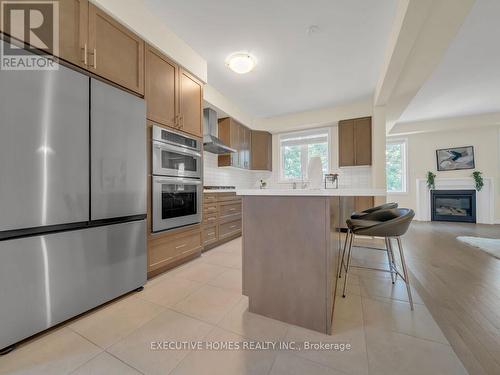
point(229, 134)
point(73, 31)
point(236, 136)
point(346, 143)
point(363, 141)
point(355, 142)
point(190, 104)
point(114, 52)
point(261, 150)
point(161, 88)
point(235, 142)
point(245, 136)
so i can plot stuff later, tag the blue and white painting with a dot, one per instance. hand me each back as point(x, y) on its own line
point(451, 159)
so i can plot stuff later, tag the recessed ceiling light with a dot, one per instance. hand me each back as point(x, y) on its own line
point(241, 62)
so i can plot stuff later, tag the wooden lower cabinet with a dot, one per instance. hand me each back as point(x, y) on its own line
point(210, 234)
point(221, 218)
point(362, 203)
point(229, 209)
point(167, 249)
point(229, 229)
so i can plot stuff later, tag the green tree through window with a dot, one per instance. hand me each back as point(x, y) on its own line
point(291, 162)
point(395, 166)
point(298, 148)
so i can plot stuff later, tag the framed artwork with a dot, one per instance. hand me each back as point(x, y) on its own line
point(450, 159)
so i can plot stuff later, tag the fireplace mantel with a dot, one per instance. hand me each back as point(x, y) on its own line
point(485, 202)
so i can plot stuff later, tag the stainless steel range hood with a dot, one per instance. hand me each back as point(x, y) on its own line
point(211, 142)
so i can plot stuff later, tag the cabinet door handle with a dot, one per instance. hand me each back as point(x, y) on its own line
point(232, 226)
point(180, 246)
point(211, 234)
point(94, 54)
point(84, 50)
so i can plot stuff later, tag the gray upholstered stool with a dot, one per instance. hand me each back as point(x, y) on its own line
point(390, 224)
point(385, 206)
point(363, 215)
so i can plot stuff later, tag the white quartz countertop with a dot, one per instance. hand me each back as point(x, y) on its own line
point(314, 192)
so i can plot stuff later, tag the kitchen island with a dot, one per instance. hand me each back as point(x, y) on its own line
point(291, 252)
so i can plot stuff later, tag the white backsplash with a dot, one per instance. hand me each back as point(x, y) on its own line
point(349, 177)
point(355, 177)
point(229, 176)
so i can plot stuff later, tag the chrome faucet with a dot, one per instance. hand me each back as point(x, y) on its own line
point(303, 183)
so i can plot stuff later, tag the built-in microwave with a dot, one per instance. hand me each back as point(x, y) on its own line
point(176, 202)
point(175, 154)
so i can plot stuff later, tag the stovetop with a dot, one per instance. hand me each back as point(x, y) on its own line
point(219, 187)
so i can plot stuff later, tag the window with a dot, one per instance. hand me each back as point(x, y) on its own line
point(395, 157)
point(297, 148)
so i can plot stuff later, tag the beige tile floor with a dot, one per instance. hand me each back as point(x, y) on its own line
point(202, 301)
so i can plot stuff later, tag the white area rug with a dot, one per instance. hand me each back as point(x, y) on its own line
point(488, 245)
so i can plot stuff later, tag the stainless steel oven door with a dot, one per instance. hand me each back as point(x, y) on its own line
point(176, 202)
point(170, 160)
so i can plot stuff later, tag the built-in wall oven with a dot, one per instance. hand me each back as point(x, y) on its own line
point(177, 185)
point(175, 154)
point(176, 202)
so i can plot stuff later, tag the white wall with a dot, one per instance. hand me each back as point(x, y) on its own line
point(316, 118)
point(220, 102)
point(422, 158)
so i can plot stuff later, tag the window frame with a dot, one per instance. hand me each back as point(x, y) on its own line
point(327, 130)
point(404, 174)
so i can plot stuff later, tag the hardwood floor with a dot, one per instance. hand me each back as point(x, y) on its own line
point(461, 287)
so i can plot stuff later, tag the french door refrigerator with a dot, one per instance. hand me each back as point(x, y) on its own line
point(72, 197)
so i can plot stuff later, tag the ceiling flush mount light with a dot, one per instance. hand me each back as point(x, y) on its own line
point(241, 62)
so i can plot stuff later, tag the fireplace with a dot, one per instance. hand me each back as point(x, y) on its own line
point(453, 205)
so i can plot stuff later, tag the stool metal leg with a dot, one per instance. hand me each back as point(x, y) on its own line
point(343, 252)
point(405, 271)
point(393, 259)
point(389, 258)
point(349, 253)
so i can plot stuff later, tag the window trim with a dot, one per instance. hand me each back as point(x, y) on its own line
point(405, 174)
point(328, 131)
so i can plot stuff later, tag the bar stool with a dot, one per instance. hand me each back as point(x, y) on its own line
point(365, 214)
point(385, 206)
point(390, 224)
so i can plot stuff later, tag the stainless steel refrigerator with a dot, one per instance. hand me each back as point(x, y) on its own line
point(72, 197)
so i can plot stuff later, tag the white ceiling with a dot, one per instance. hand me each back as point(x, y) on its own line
point(295, 71)
point(467, 81)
